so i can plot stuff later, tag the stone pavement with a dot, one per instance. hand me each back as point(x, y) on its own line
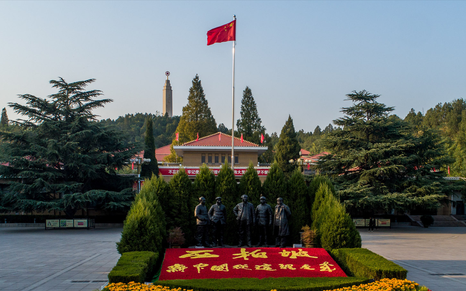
point(34, 259)
point(434, 257)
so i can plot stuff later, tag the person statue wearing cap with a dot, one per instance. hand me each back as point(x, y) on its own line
point(281, 228)
point(202, 222)
point(263, 220)
point(218, 215)
point(245, 217)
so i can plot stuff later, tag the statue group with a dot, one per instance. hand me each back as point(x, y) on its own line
point(248, 218)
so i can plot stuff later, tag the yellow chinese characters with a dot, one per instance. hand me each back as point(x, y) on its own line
point(199, 254)
point(295, 254)
point(326, 267)
point(286, 267)
point(220, 268)
point(255, 254)
point(241, 267)
point(200, 266)
point(307, 267)
point(264, 267)
point(176, 268)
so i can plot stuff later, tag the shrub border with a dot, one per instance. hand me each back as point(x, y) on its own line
point(134, 266)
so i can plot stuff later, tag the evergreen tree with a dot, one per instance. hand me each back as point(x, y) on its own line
point(250, 124)
point(4, 121)
point(225, 187)
point(313, 187)
point(297, 200)
point(181, 205)
point(378, 164)
point(287, 148)
point(147, 169)
point(196, 118)
point(204, 184)
point(60, 158)
point(275, 183)
point(250, 184)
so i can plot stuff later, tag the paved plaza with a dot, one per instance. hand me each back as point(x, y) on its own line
point(79, 259)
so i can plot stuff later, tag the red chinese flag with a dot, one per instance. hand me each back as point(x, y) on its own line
point(242, 138)
point(308, 167)
point(222, 33)
point(448, 170)
point(132, 166)
point(262, 138)
point(219, 137)
point(177, 136)
point(197, 139)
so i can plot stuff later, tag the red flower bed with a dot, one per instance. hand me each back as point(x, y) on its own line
point(248, 263)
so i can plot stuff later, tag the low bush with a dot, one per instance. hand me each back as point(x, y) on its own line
point(267, 284)
point(364, 263)
point(386, 284)
point(134, 266)
point(427, 220)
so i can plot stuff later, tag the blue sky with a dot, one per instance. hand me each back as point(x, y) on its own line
point(299, 58)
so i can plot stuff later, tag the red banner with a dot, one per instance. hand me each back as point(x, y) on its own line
point(193, 171)
point(259, 263)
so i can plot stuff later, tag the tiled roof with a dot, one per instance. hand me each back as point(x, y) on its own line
point(314, 158)
point(304, 152)
point(160, 153)
point(220, 140)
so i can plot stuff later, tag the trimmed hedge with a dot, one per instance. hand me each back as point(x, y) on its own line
point(364, 263)
point(134, 266)
point(267, 284)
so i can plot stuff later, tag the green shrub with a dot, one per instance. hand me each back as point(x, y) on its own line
point(275, 184)
point(427, 220)
point(298, 202)
point(364, 263)
point(254, 284)
point(226, 187)
point(250, 184)
point(204, 184)
point(134, 266)
point(180, 212)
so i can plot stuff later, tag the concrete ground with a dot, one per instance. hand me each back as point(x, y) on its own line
point(434, 257)
point(47, 260)
point(68, 259)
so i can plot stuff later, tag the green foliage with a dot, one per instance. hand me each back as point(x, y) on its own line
point(298, 201)
point(427, 220)
point(204, 184)
point(181, 204)
point(250, 184)
point(287, 148)
point(378, 164)
point(364, 263)
point(4, 120)
point(144, 228)
point(151, 168)
point(134, 266)
point(275, 184)
point(313, 188)
point(250, 124)
point(266, 284)
point(225, 187)
point(60, 159)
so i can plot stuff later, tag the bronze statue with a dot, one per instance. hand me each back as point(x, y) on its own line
point(218, 215)
point(281, 228)
point(263, 220)
point(245, 217)
point(202, 221)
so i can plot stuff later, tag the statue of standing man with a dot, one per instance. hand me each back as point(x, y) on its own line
point(263, 220)
point(281, 228)
point(218, 216)
point(202, 222)
point(245, 217)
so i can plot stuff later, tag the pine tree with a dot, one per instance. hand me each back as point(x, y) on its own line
point(250, 124)
point(225, 187)
point(181, 205)
point(196, 118)
point(287, 148)
point(298, 201)
point(60, 158)
point(378, 164)
point(313, 188)
point(275, 183)
point(204, 184)
point(147, 169)
point(250, 184)
point(4, 121)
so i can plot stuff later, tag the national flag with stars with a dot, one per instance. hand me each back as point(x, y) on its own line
point(222, 33)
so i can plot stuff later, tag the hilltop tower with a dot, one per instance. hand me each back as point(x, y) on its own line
point(167, 97)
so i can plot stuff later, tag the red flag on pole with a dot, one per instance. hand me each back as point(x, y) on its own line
point(132, 166)
point(177, 136)
point(262, 138)
point(226, 32)
point(219, 137)
point(197, 139)
point(308, 167)
point(448, 170)
point(242, 138)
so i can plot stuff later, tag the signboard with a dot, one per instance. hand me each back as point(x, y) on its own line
point(80, 223)
point(248, 263)
point(52, 223)
point(359, 222)
point(66, 223)
point(383, 222)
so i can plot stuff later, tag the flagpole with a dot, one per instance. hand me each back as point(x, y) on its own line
point(233, 108)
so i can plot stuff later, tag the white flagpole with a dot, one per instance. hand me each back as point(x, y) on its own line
point(233, 108)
